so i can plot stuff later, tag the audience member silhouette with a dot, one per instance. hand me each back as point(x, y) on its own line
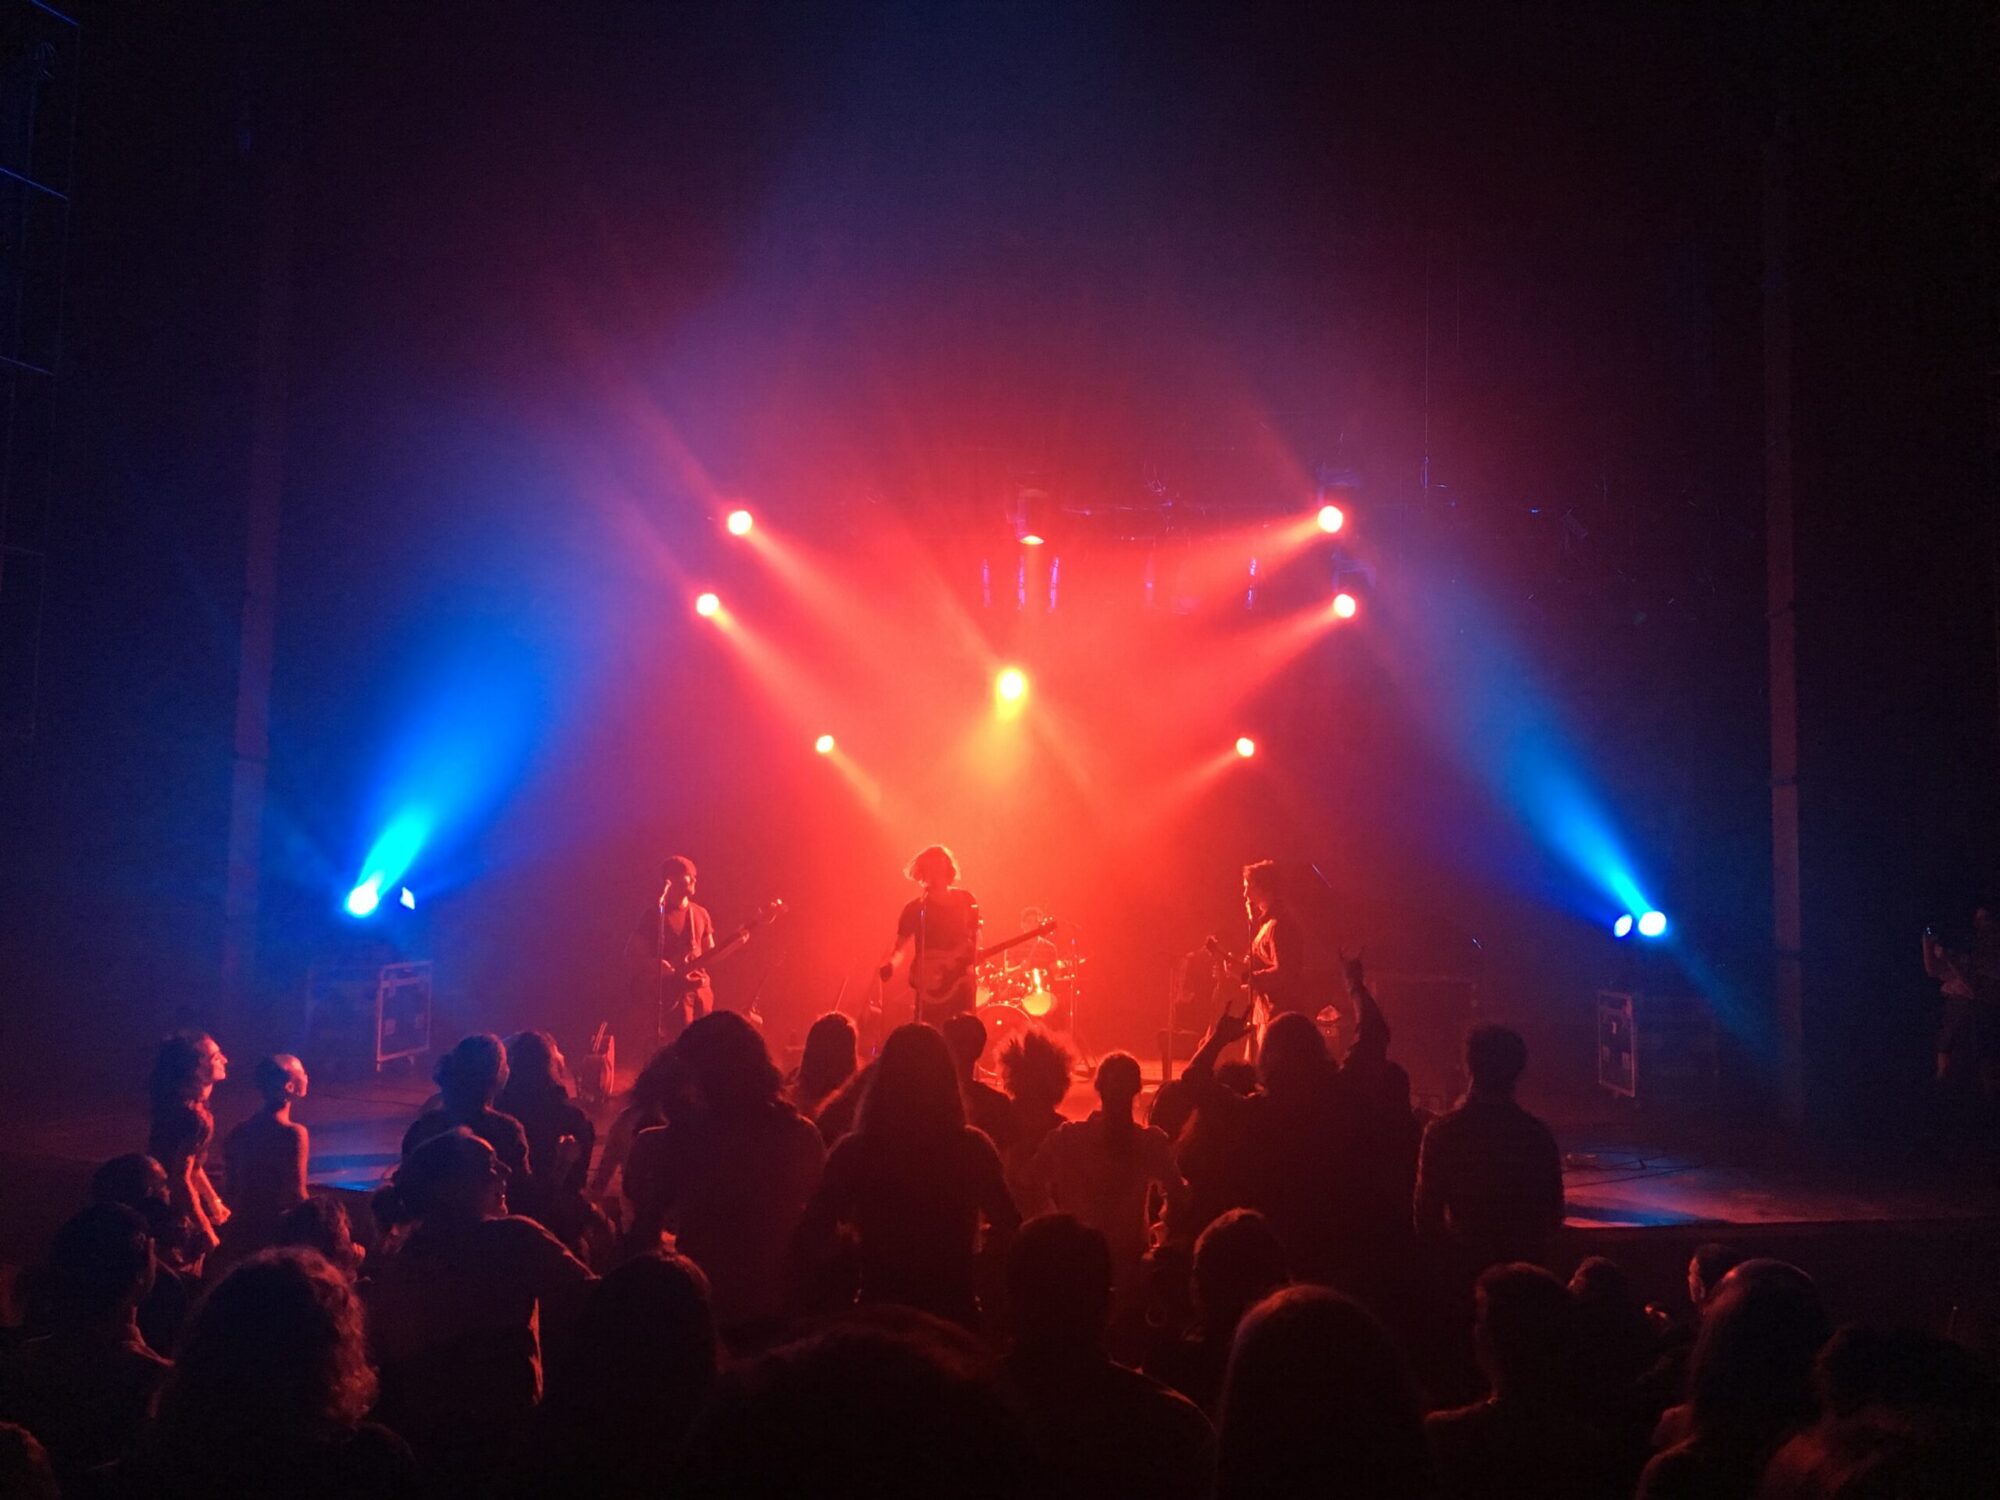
point(459, 1303)
point(321, 1225)
point(265, 1160)
point(1288, 1151)
point(986, 1108)
point(889, 1404)
point(140, 1184)
point(732, 1174)
point(649, 1102)
point(1524, 1438)
point(831, 1055)
point(1750, 1384)
point(1103, 1169)
point(1617, 1343)
point(271, 1394)
point(561, 1139)
point(86, 1387)
point(642, 1361)
point(1316, 1402)
point(1034, 1067)
point(1666, 1382)
point(1099, 1428)
point(843, 1106)
point(1489, 1179)
point(186, 1069)
point(1238, 1262)
point(1903, 1413)
point(469, 1078)
point(25, 1470)
point(913, 1180)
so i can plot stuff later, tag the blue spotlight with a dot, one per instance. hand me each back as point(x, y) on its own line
point(409, 899)
point(363, 899)
point(1653, 924)
point(1622, 928)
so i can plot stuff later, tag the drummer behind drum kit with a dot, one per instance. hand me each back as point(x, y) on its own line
point(1014, 999)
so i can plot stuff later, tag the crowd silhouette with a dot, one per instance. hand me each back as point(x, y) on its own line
point(892, 1278)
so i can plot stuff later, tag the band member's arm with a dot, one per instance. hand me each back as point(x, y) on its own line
point(898, 961)
point(1281, 976)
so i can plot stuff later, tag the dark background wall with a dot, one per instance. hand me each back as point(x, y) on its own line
point(1517, 256)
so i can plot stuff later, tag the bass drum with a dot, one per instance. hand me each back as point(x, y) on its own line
point(1004, 1023)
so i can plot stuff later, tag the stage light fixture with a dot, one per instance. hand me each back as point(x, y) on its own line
point(1653, 924)
point(1245, 746)
point(1331, 519)
point(824, 744)
point(740, 522)
point(1011, 686)
point(1030, 539)
point(1622, 928)
point(408, 899)
point(363, 899)
point(1345, 605)
point(707, 606)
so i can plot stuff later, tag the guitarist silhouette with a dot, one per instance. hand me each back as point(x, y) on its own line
point(937, 939)
point(685, 931)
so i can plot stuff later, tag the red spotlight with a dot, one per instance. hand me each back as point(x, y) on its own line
point(1331, 519)
point(1031, 540)
point(1246, 747)
point(1345, 606)
point(740, 523)
point(824, 744)
point(707, 606)
point(1011, 686)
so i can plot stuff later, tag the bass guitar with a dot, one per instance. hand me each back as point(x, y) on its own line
point(689, 973)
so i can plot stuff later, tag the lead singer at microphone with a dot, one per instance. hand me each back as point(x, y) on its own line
point(937, 938)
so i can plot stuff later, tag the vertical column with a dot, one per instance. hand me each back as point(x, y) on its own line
point(1788, 987)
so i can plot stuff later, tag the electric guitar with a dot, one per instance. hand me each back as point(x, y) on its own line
point(688, 973)
point(939, 975)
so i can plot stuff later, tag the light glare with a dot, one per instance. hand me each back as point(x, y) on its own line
point(1246, 747)
point(707, 606)
point(1623, 926)
point(1011, 686)
point(1346, 605)
point(1331, 519)
point(740, 522)
point(1653, 924)
point(363, 899)
point(824, 744)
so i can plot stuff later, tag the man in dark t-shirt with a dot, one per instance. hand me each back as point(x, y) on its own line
point(937, 938)
point(674, 933)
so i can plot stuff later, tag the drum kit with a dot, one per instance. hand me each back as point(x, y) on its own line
point(1039, 994)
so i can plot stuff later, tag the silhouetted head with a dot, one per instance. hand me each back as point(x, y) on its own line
point(450, 1176)
point(321, 1225)
point(132, 1179)
point(965, 1035)
point(892, 1404)
point(275, 1350)
point(25, 1471)
point(1495, 1057)
point(535, 1065)
point(1317, 1396)
point(728, 1065)
point(1294, 1058)
point(678, 880)
point(100, 1265)
point(1261, 887)
point(935, 866)
point(1238, 1261)
point(832, 1052)
point(913, 1094)
point(1750, 1377)
point(1706, 1268)
point(1523, 1331)
point(1118, 1082)
point(1059, 1282)
point(472, 1074)
point(279, 1078)
point(1035, 1069)
point(186, 1066)
point(644, 1343)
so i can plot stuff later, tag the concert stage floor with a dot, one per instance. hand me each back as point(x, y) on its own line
point(1643, 1202)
